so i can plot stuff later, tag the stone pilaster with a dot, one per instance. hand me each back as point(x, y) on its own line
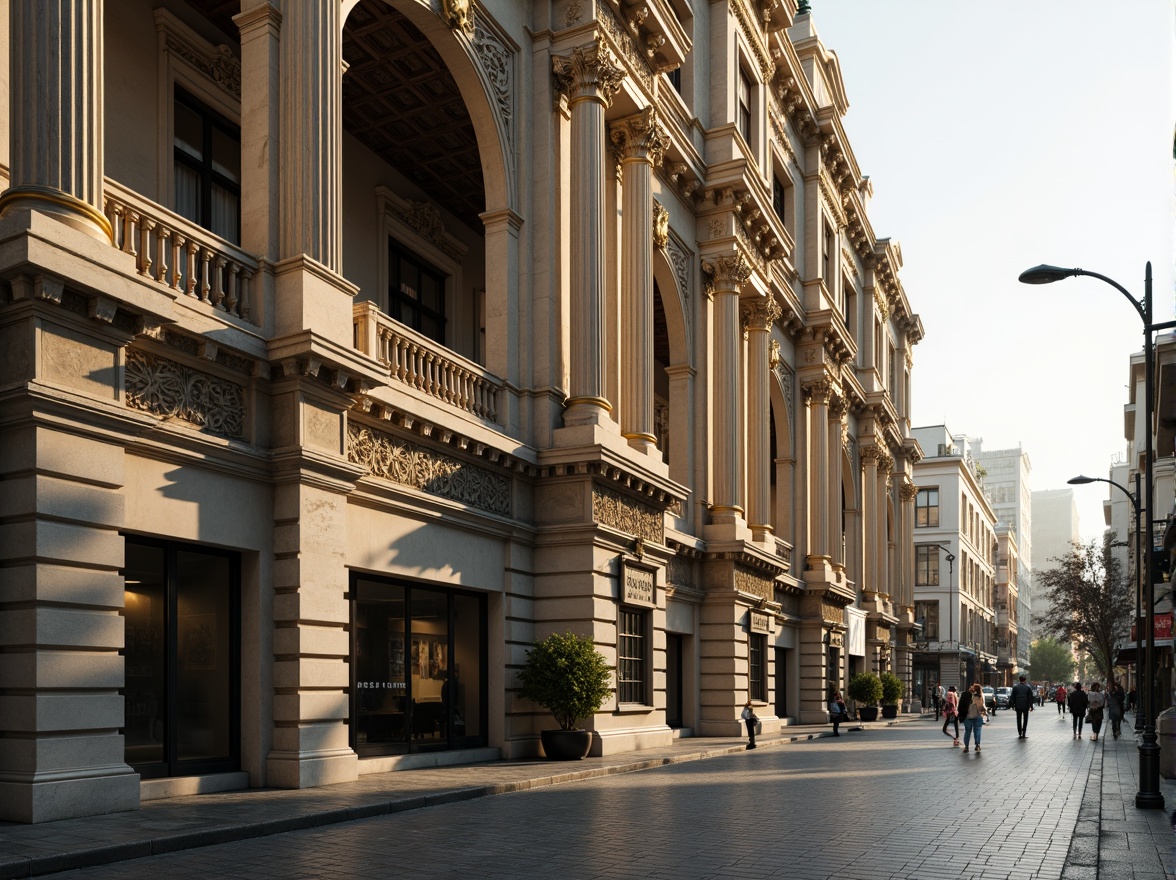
point(729, 273)
point(590, 77)
point(837, 409)
point(260, 128)
point(759, 316)
point(882, 494)
point(816, 397)
point(639, 144)
point(56, 131)
point(870, 524)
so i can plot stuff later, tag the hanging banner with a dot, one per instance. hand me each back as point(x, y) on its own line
point(855, 619)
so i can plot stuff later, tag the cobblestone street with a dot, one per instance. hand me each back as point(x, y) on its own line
point(874, 804)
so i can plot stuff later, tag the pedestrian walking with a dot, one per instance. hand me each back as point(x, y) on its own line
point(951, 706)
point(750, 719)
point(837, 711)
point(940, 696)
point(1041, 696)
point(975, 717)
point(1077, 702)
point(1131, 699)
point(1060, 696)
point(1021, 698)
point(1095, 702)
point(1115, 698)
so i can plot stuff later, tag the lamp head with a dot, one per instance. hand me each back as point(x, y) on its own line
point(1080, 480)
point(1044, 274)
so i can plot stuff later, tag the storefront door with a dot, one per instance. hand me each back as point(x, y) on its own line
point(182, 659)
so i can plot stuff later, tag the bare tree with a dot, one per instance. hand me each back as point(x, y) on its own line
point(1088, 602)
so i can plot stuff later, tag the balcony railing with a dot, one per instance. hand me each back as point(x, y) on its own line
point(180, 255)
point(425, 365)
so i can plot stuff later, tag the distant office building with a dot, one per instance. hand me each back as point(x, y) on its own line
point(1055, 528)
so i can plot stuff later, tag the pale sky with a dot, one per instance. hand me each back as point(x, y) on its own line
point(1003, 135)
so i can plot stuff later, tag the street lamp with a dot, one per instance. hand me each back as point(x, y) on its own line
point(1139, 574)
point(950, 557)
point(1148, 796)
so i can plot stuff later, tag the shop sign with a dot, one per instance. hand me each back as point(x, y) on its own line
point(638, 585)
point(1163, 628)
point(758, 622)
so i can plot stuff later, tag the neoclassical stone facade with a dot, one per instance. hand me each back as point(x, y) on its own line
point(346, 348)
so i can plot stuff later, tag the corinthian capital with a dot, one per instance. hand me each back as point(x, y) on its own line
point(640, 137)
point(729, 273)
point(819, 392)
point(760, 313)
point(590, 72)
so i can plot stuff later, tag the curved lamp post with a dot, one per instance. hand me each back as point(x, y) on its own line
point(1139, 576)
point(950, 557)
point(1148, 796)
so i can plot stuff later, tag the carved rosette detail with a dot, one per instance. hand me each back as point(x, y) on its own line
point(590, 72)
point(406, 463)
point(626, 515)
point(173, 391)
point(753, 583)
point(661, 225)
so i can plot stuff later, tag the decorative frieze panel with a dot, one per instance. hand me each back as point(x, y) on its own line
point(789, 604)
point(680, 571)
point(754, 583)
point(627, 515)
point(426, 470)
point(173, 391)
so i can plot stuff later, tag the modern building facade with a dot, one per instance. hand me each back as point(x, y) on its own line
point(955, 565)
point(346, 348)
point(1054, 530)
point(1006, 478)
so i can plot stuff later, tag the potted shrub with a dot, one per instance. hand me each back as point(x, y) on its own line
point(571, 679)
point(893, 689)
point(865, 688)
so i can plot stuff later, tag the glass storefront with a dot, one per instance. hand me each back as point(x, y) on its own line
point(182, 659)
point(419, 668)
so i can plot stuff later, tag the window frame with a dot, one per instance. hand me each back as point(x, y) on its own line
point(211, 120)
point(927, 568)
point(925, 492)
point(757, 667)
point(633, 690)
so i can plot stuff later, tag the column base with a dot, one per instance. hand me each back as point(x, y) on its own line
point(311, 769)
point(53, 799)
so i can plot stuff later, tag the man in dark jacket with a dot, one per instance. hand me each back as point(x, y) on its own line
point(1021, 699)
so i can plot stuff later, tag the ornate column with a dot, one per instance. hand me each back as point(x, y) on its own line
point(639, 144)
point(871, 525)
point(311, 65)
point(816, 398)
point(885, 467)
point(590, 77)
point(905, 594)
point(759, 315)
point(729, 273)
point(56, 134)
point(838, 406)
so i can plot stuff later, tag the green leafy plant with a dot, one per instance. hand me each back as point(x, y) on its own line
point(865, 688)
point(567, 676)
point(893, 688)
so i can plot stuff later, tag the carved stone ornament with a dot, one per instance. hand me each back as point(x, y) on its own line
point(459, 14)
point(589, 72)
point(220, 66)
point(818, 393)
point(753, 583)
point(426, 470)
point(425, 219)
point(627, 515)
point(728, 273)
point(908, 491)
point(661, 225)
point(760, 313)
point(497, 59)
point(173, 391)
point(640, 137)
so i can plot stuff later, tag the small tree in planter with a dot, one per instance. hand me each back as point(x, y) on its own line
point(893, 689)
point(571, 679)
point(865, 688)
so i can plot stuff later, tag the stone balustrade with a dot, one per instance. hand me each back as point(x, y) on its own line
point(426, 365)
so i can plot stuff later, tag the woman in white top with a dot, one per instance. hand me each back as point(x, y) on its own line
point(1095, 709)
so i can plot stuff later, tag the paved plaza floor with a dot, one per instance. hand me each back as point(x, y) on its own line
point(882, 801)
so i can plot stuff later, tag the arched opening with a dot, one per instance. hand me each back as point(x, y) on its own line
point(673, 380)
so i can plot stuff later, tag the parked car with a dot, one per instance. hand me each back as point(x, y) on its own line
point(989, 698)
point(1002, 697)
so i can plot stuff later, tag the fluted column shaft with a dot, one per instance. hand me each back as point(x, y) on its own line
point(833, 486)
point(639, 145)
point(590, 77)
point(882, 493)
point(906, 591)
point(870, 523)
point(759, 316)
point(56, 132)
point(311, 65)
point(729, 273)
point(817, 398)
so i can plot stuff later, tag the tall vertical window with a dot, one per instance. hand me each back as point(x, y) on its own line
point(207, 171)
point(927, 508)
point(927, 613)
point(675, 78)
point(416, 292)
point(631, 657)
point(827, 256)
point(927, 565)
point(744, 120)
point(757, 646)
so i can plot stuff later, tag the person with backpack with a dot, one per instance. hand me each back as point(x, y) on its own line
point(1077, 703)
point(975, 715)
point(1096, 701)
point(951, 714)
